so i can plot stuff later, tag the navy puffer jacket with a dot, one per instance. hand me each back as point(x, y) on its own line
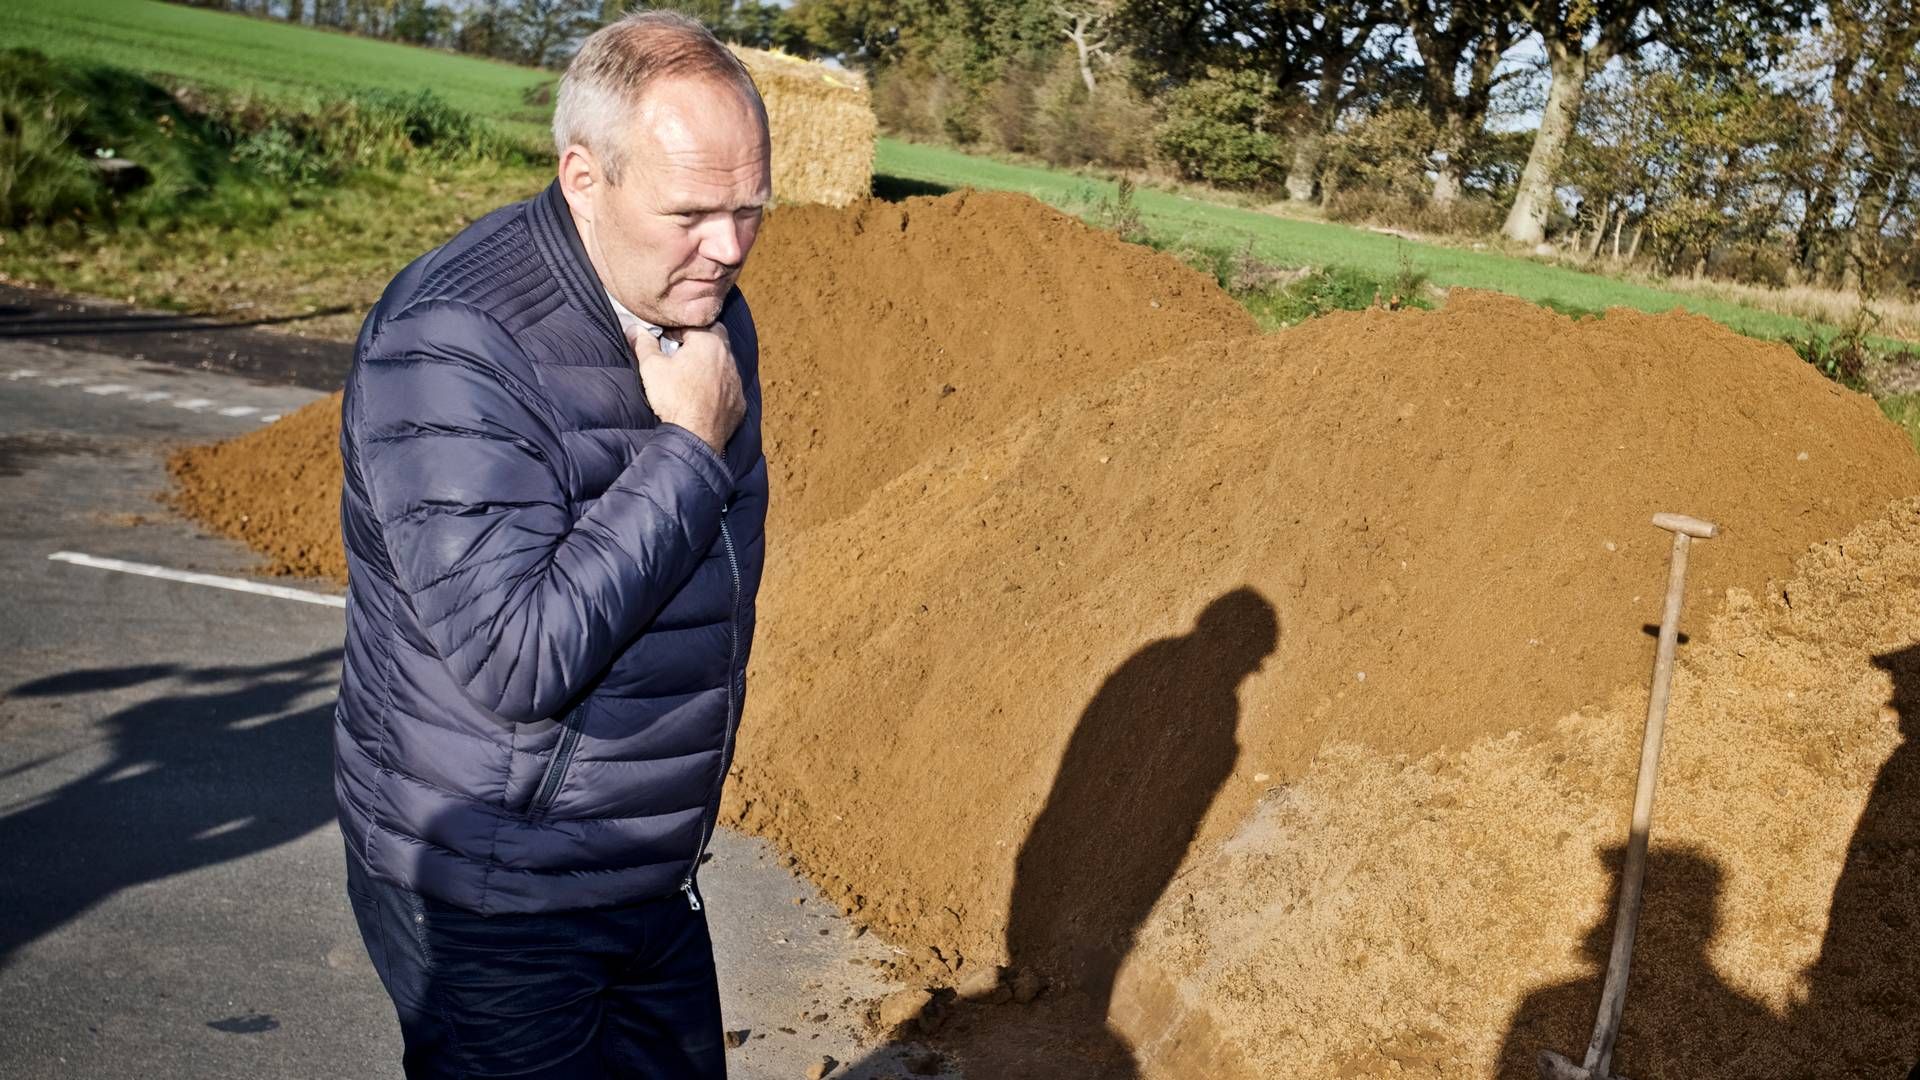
point(552, 593)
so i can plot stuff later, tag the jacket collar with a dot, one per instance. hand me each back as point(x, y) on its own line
point(559, 243)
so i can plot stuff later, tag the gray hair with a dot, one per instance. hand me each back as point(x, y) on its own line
point(616, 66)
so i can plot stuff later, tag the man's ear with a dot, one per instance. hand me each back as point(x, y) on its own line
point(580, 180)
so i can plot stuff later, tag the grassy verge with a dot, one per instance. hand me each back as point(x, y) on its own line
point(331, 250)
point(189, 199)
point(1904, 409)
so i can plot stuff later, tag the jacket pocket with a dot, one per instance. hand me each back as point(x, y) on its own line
point(555, 775)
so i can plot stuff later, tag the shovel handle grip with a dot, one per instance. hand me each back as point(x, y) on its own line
point(1688, 526)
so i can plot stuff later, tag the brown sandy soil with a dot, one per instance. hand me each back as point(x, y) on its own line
point(277, 489)
point(1035, 647)
point(892, 332)
point(1449, 914)
point(1057, 652)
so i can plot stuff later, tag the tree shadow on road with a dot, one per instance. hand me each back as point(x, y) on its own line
point(1139, 774)
point(227, 766)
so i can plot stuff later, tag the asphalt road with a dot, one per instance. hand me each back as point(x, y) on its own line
point(171, 897)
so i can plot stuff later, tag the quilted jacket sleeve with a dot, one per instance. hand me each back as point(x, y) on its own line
point(524, 604)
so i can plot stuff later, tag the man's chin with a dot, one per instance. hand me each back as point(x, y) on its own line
point(691, 313)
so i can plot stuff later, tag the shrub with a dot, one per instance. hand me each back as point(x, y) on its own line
point(1008, 110)
point(58, 119)
point(1217, 131)
point(1385, 153)
point(1071, 127)
point(1754, 264)
point(1121, 214)
point(369, 130)
point(1468, 214)
point(1843, 355)
point(911, 99)
point(231, 159)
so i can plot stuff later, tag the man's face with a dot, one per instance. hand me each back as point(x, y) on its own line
point(670, 238)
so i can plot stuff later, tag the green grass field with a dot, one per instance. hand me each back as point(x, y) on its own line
point(233, 52)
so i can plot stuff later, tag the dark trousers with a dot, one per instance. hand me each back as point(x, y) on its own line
point(623, 992)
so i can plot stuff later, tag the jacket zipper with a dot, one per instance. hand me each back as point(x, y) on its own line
point(726, 746)
point(557, 765)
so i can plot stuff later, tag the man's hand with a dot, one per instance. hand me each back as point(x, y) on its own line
point(698, 387)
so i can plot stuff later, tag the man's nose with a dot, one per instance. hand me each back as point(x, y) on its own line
point(721, 241)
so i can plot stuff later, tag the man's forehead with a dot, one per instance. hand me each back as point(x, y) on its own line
point(705, 116)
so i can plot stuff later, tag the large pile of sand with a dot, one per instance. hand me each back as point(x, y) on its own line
point(1074, 580)
point(1410, 530)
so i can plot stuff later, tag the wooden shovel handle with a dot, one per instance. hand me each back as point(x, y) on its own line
point(1613, 997)
point(1690, 526)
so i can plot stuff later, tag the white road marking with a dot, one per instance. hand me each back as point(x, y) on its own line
point(134, 392)
point(279, 592)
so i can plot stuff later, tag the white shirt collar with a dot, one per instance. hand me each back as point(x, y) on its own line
point(630, 323)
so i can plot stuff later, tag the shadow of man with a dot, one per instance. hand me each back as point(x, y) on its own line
point(195, 778)
point(1682, 1020)
point(1139, 773)
point(1862, 1015)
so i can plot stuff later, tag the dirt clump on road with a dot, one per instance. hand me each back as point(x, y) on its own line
point(276, 489)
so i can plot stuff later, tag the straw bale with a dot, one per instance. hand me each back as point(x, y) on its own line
point(822, 124)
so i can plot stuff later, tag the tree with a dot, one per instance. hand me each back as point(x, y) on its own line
point(1087, 28)
point(1582, 36)
point(485, 31)
point(868, 34)
point(1874, 85)
point(1310, 53)
point(544, 30)
point(1460, 44)
point(1691, 154)
point(743, 22)
point(418, 22)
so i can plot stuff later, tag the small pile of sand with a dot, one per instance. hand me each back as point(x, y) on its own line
point(277, 489)
point(1450, 915)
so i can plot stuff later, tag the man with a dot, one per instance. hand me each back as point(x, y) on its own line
point(553, 512)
